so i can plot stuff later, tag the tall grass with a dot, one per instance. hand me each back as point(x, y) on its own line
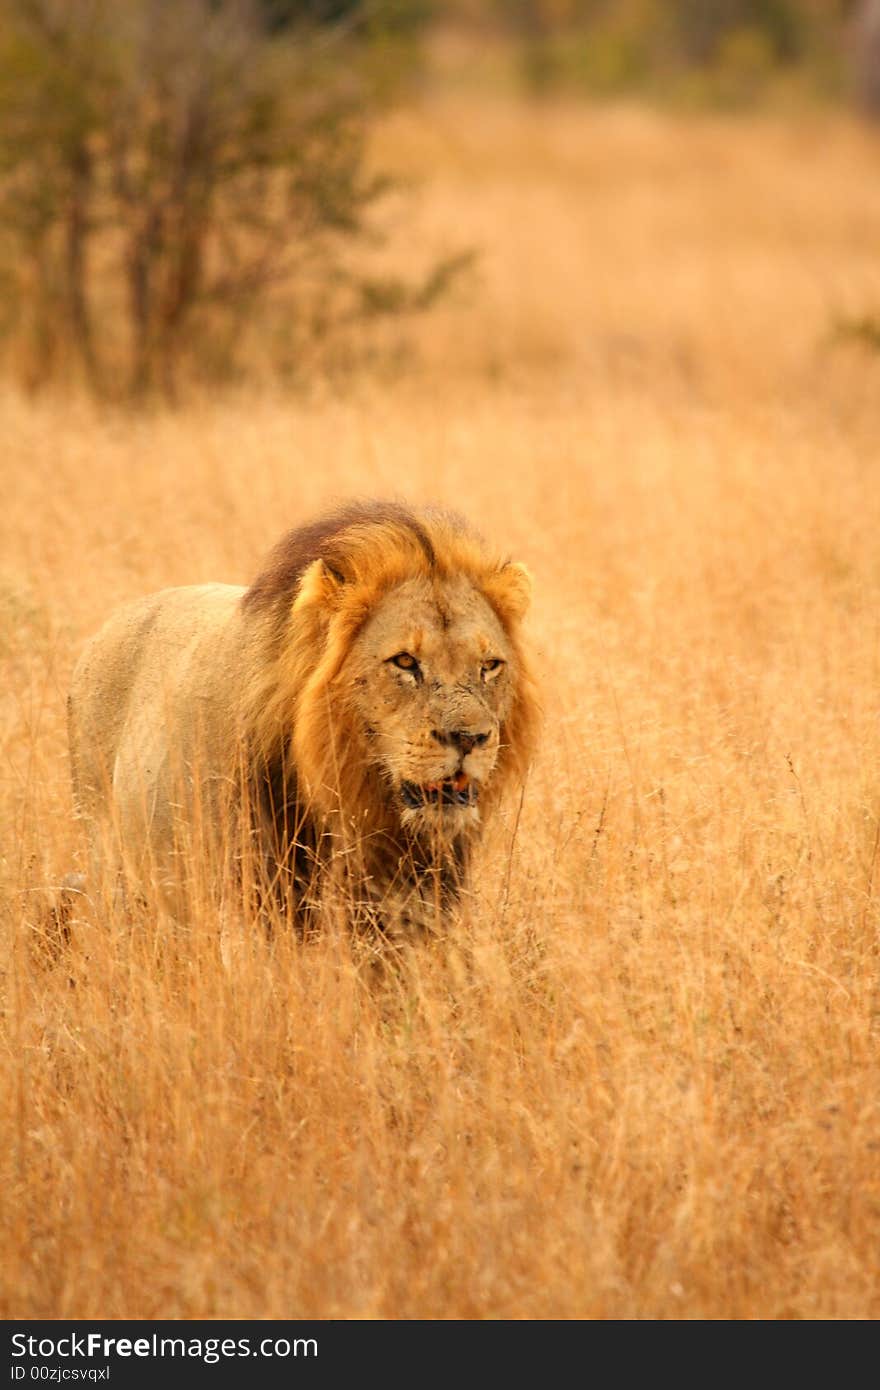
point(640, 1076)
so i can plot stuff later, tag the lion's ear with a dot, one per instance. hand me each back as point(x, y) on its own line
point(510, 588)
point(320, 586)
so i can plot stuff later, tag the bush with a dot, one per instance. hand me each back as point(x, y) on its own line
point(163, 168)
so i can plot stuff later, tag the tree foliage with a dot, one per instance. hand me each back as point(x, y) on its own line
point(162, 169)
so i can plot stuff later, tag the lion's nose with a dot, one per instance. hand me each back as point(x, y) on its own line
point(462, 739)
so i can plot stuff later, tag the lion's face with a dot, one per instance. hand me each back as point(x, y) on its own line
point(431, 677)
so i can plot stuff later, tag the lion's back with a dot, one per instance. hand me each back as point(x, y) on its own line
point(157, 680)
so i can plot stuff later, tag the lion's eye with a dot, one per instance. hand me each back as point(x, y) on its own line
point(492, 668)
point(404, 661)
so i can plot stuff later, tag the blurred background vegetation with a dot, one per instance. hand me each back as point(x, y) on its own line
point(178, 179)
point(727, 53)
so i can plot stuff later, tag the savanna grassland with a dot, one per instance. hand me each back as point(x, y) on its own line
point(641, 1076)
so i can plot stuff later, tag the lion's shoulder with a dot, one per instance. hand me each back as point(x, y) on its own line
point(158, 669)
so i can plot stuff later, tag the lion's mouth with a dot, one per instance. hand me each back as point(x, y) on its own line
point(451, 791)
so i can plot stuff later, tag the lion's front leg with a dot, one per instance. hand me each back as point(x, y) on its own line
point(416, 894)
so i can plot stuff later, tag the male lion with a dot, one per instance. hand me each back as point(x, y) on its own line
point(352, 716)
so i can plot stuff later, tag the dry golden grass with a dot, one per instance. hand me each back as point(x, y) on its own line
point(642, 1077)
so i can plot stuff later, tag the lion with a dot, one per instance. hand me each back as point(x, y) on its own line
point(353, 717)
